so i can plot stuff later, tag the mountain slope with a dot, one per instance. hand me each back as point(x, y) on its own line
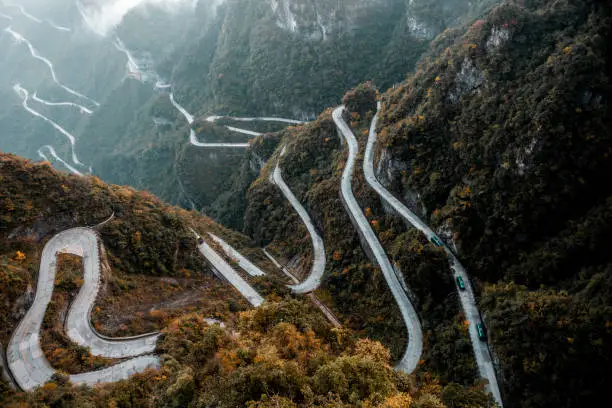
point(294, 58)
point(285, 348)
point(505, 138)
point(286, 58)
point(501, 142)
point(312, 167)
point(152, 262)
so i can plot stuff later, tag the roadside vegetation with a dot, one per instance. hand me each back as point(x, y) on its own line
point(61, 352)
point(520, 194)
point(283, 354)
point(504, 133)
point(312, 166)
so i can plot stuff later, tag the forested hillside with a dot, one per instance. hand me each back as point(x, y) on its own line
point(504, 132)
point(494, 127)
point(244, 60)
point(154, 269)
point(102, 70)
point(312, 167)
point(501, 141)
point(282, 354)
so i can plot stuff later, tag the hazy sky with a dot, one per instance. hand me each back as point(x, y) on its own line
point(103, 16)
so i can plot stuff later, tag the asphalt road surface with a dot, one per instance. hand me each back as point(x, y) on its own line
point(26, 359)
point(229, 273)
point(414, 349)
point(468, 300)
point(313, 281)
point(243, 262)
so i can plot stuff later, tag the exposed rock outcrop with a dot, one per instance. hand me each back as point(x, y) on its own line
point(467, 80)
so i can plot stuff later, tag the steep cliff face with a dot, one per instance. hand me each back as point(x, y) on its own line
point(284, 58)
point(287, 58)
point(320, 19)
point(296, 57)
point(317, 20)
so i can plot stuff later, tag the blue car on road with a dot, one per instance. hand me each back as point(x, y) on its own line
point(482, 334)
point(436, 241)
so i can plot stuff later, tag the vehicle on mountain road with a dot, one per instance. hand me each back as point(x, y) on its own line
point(460, 282)
point(436, 241)
point(482, 333)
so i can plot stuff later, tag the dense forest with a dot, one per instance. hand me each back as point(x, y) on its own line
point(504, 131)
point(280, 355)
point(150, 256)
point(257, 59)
point(312, 165)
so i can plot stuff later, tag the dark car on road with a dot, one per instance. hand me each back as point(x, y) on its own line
point(460, 283)
point(436, 241)
point(482, 333)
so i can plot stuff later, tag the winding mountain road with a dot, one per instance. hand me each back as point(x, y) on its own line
point(140, 67)
point(56, 157)
point(81, 108)
point(466, 296)
point(37, 20)
point(162, 85)
point(193, 139)
point(412, 355)
point(132, 65)
point(26, 359)
point(78, 324)
point(212, 119)
point(243, 131)
point(281, 267)
point(35, 54)
point(313, 281)
point(254, 270)
point(313, 298)
point(229, 273)
point(23, 93)
point(243, 262)
point(27, 15)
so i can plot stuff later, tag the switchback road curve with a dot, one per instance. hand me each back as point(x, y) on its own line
point(414, 349)
point(26, 359)
point(313, 281)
